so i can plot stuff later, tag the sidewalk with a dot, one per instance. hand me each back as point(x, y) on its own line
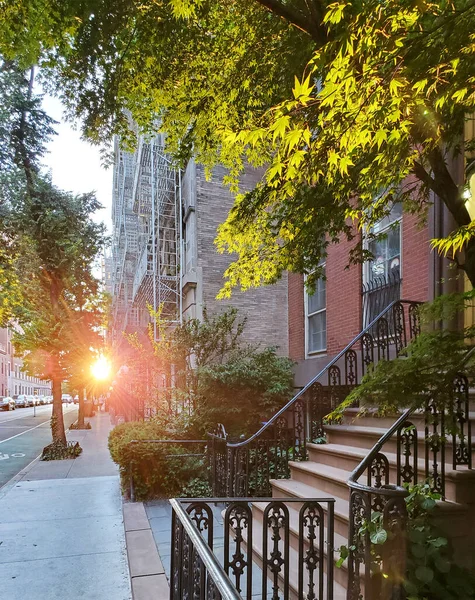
point(61, 528)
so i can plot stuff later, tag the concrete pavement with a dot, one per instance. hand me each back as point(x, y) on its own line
point(61, 527)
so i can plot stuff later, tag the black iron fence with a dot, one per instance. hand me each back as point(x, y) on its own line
point(271, 548)
point(379, 293)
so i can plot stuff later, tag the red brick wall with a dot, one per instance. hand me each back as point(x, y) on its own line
point(343, 297)
point(344, 290)
point(415, 260)
point(296, 317)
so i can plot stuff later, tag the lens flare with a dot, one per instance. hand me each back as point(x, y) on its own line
point(101, 369)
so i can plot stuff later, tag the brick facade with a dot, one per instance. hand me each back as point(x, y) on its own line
point(265, 307)
point(344, 299)
point(415, 259)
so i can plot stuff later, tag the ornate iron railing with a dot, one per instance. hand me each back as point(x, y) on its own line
point(289, 535)
point(379, 293)
point(446, 414)
point(246, 468)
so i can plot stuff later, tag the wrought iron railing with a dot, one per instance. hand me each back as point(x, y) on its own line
point(446, 413)
point(246, 468)
point(378, 293)
point(288, 535)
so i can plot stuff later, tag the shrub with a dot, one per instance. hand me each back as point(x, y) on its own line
point(155, 472)
point(244, 391)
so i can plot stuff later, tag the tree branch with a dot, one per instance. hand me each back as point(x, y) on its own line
point(296, 18)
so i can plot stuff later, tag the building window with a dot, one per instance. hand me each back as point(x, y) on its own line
point(316, 313)
point(382, 275)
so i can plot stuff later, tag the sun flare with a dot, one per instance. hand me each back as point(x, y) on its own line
point(101, 368)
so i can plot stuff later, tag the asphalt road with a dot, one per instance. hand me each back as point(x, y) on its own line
point(23, 436)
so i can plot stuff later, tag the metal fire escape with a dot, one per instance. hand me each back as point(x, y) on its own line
point(146, 237)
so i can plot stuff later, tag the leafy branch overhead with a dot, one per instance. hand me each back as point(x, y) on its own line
point(348, 107)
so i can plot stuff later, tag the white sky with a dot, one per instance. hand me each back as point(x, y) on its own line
point(75, 164)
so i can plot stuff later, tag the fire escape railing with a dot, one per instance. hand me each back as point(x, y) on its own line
point(246, 468)
point(442, 416)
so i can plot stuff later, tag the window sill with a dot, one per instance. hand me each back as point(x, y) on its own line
point(316, 353)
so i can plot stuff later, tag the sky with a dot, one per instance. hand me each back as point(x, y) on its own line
point(75, 164)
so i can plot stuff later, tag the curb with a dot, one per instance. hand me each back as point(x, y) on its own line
point(147, 575)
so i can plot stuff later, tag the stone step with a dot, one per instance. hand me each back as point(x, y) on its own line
point(352, 416)
point(332, 481)
point(451, 517)
point(458, 482)
point(366, 437)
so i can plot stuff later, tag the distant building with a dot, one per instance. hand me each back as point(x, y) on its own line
point(163, 257)
point(12, 379)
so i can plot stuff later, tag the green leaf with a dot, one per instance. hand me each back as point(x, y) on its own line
point(380, 137)
point(424, 574)
point(439, 542)
point(379, 536)
point(442, 564)
point(428, 503)
point(418, 550)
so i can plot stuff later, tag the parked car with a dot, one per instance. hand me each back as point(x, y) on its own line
point(76, 399)
point(7, 403)
point(67, 398)
point(21, 401)
point(48, 399)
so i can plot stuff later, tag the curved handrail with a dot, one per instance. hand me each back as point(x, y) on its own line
point(320, 374)
point(368, 459)
point(211, 564)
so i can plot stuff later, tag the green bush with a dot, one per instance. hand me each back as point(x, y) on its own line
point(155, 472)
point(243, 392)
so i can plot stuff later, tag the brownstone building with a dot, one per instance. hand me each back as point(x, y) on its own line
point(404, 267)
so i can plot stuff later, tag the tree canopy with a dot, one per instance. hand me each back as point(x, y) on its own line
point(48, 245)
point(351, 106)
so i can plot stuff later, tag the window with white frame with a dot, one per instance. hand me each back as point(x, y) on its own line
point(316, 312)
point(387, 250)
point(382, 275)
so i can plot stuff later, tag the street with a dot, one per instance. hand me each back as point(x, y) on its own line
point(23, 436)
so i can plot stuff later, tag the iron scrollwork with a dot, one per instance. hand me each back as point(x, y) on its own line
point(407, 449)
point(462, 434)
point(276, 559)
point(238, 518)
point(311, 535)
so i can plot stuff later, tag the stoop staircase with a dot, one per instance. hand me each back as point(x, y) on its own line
point(323, 492)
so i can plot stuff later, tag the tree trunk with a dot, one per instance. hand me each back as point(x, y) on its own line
point(469, 262)
point(57, 426)
point(81, 408)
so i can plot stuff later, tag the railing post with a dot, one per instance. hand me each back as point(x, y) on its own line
point(230, 474)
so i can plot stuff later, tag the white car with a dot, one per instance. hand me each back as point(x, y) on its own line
point(21, 401)
point(67, 398)
point(7, 403)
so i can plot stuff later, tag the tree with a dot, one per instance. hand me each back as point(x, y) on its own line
point(376, 114)
point(60, 244)
point(217, 378)
point(24, 130)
